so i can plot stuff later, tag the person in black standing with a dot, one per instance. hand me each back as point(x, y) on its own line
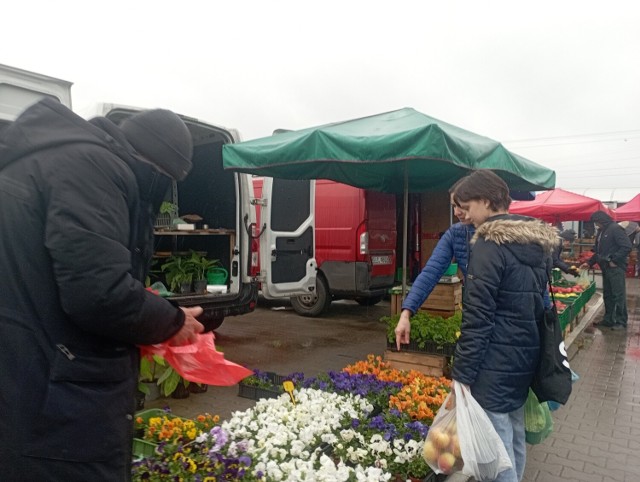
point(78, 203)
point(611, 251)
point(565, 236)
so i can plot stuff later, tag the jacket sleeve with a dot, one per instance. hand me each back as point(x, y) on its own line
point(623, 244)
point(433, 270)
point(486, 269)
point(87, 234)
point(557, 260)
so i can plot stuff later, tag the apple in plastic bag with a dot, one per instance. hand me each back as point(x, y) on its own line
point(430, 453)
point(446, 461)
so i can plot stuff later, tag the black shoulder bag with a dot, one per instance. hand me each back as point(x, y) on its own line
point(552, 379)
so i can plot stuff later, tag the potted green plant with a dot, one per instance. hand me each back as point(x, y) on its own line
point(148, 378)
point(429, 333)
point(179, 274)
point(167, 213)
point(199, 266)
point(170, 381)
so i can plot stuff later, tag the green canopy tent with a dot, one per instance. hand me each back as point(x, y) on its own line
point(400, 151)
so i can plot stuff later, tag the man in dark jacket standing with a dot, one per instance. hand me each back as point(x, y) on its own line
point(78, 201)
point(611, 251)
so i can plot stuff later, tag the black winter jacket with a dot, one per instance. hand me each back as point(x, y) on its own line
point(612, 244)
point(76, 235)
point(499, 345)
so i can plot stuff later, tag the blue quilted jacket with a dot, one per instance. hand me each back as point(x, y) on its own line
point(453, 244)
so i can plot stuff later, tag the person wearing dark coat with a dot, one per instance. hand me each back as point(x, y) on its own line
point(565, 236)
point(454, 244)
point(499, 345)
point(611, 251)
point(78, 203)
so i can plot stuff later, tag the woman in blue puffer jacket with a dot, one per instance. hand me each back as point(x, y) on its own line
point(453, 244)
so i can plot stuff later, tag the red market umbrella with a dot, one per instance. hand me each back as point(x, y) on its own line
point(559, 205)
point(630, 211)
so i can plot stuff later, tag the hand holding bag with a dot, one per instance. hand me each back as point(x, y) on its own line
point(199, 362)
point(552, 379)
point(463, 436)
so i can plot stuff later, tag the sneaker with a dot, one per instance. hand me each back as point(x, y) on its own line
point(618, 326)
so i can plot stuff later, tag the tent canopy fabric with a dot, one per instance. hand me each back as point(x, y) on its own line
point(559, 205)
point(630, 211)
point(383, 151)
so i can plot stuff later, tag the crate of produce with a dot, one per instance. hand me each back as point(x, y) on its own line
point(590, 290)
point(256, 392)
point(565, 316)
point(146, 448)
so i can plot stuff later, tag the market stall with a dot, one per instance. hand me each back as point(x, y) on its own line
point(558, 205)
point(629, 211)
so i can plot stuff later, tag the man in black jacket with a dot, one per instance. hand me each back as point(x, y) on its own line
point(611, 251)
point(566, 236)
point(78, 202)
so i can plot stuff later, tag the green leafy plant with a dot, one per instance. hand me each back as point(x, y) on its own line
point(169, 208)
point(198, 265)
point(427, 328)
point(169, 380)
point(177, 271)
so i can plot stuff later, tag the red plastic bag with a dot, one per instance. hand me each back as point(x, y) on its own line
point(199, 362)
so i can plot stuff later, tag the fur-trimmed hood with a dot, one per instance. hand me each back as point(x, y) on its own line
point(529, 239)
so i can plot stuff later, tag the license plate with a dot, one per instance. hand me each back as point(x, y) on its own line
point(380, 259)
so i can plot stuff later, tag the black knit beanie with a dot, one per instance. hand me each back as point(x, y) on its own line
point(161, 137)
point(600, 217)
point(568, 234)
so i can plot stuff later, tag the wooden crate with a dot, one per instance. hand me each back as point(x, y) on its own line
point(444, 297)
point(432, 365)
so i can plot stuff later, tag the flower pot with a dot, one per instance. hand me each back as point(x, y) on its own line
point(181, 391)
point(185, 288)
point(200, 286)
point(153, 391)
point(198, 387)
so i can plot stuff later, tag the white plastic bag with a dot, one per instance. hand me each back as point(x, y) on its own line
point(463, 438)
point(482, 448)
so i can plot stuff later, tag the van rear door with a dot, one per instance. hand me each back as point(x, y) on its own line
point(287, 242)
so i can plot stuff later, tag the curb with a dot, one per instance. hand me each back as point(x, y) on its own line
point(585, 322)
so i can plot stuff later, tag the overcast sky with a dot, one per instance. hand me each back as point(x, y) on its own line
point(557, 81)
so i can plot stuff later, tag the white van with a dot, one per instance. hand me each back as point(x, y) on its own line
point(228, 232)
point(20, 88)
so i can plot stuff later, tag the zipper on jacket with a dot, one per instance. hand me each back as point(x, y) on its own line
point(66, 351)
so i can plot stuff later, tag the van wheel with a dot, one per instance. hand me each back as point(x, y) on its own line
point(316, 302)
point(373, 300)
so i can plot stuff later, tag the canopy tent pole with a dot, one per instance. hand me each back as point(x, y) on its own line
point(405, 223)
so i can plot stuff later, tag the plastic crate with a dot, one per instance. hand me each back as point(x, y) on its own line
point(590, 290)
point(566, 316)
point(256, 393)
point(146, 448)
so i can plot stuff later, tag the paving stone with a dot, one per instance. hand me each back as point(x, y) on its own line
point(597, 434)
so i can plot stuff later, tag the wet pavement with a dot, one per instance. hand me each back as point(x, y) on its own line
point(596, 435)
